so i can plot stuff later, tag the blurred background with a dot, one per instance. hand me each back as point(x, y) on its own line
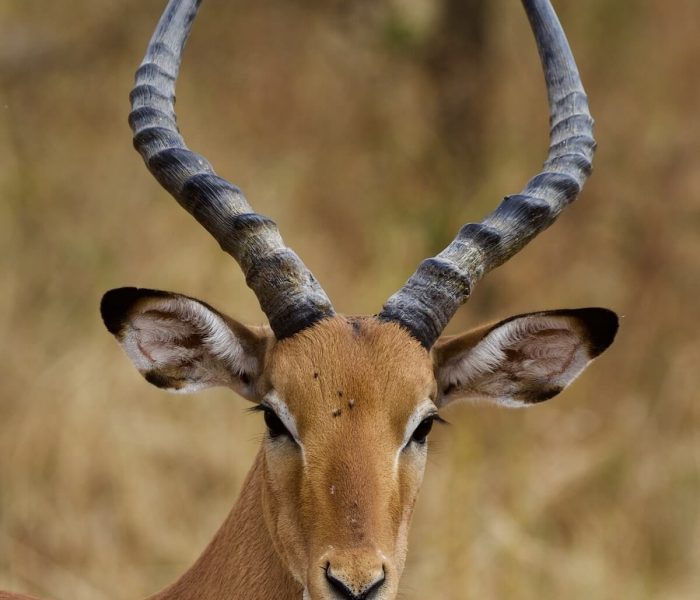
point(370, 131)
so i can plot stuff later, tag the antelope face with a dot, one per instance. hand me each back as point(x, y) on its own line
point(348, 405)
point(349, 402)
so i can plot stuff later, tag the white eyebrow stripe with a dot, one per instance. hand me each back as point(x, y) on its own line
point(423, 410)
point(273, 400)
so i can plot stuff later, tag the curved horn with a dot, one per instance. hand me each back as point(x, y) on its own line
point(441, 284)
point(288, 293)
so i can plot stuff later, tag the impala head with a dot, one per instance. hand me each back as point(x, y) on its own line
point(349, 401)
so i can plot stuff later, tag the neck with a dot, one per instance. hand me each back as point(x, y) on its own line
point(240, 562)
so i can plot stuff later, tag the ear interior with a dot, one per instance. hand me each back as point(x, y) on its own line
point(523, 360)
point(181, 344)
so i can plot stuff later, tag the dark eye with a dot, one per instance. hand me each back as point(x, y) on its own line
point(421, 432)
point(275, 427)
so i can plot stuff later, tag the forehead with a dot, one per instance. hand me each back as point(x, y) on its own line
point(357, 364)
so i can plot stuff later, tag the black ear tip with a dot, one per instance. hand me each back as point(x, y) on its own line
point(114, 306)
point(116, 303)
point(602, 325)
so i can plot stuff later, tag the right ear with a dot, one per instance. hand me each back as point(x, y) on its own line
point(183, 345)
point(523, 360)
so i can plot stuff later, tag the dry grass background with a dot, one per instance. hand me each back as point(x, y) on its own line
point(367, 131)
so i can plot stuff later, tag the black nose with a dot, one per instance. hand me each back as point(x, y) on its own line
point(348, 591)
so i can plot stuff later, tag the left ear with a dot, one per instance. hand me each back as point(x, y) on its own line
point(184, 345)
point(523, 360)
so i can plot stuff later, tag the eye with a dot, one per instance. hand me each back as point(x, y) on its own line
point(275, 427)
point(421, 432)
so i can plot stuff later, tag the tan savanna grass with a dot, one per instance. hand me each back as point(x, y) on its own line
point(369, 137)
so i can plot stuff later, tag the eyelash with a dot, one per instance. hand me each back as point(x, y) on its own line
point(420, 433)
point(275, 426)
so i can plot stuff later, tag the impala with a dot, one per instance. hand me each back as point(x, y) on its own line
point(348, 401)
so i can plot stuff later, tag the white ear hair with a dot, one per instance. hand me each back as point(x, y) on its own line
point(164, 324)
point(526, 359)
point(179, 343)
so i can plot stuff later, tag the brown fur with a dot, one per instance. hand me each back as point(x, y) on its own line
point(339, 500)
point(240, 561)
point(348, 509)
point(288, 515)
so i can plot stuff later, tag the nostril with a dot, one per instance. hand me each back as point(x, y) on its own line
point(378, 583)
point(339, 586)
point(348, 591)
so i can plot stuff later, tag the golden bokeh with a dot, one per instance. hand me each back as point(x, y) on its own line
point(370, 131)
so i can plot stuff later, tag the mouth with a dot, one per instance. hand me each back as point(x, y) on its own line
point(332, 588)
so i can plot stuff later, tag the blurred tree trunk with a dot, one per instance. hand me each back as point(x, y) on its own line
point(455, 62)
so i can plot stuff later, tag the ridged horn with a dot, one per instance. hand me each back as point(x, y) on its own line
point(432, 295)
point(288, 293)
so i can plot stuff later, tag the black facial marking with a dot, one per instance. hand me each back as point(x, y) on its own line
point(159, 380)
point(602, 327)
point(337, 412)
point(340, 393)
point(542, 395)
point(115, 305)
